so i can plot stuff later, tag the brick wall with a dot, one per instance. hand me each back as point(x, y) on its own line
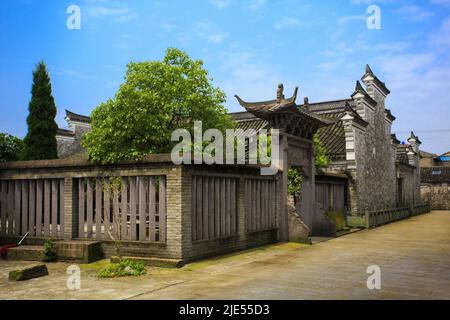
point(437, 194)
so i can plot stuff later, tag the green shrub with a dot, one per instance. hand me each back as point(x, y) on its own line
point(124, 268)
point(295, 180)
point(50, 251)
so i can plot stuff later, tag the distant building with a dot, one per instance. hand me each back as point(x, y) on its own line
point(435, 180)
point(69, 140)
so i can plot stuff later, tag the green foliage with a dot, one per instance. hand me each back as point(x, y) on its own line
point(156, 98)
point(321, 158)
point(124, 268)
point(10, 147)
point(50, 251)
point(295, 180)
point(40, 142)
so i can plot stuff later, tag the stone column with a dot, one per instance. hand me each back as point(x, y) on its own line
point(70, 209)
point(283, 227)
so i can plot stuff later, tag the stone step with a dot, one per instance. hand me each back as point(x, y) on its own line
point(79, 251)
point(71, 251)
point(26, 253)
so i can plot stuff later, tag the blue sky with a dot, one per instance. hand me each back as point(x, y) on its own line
point(248, 46)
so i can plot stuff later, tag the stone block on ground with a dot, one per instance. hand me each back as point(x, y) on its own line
point(26, 253)
point(29, 272)
point(79, 251)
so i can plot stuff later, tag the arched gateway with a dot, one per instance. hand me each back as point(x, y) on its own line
point(297, 126)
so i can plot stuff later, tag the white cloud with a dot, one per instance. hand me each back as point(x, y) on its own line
point(415, 13)
point(210, 32)
point(248, 74)
point(220, 4)
point(346, 19)
point(441, 38)
point(116, 11)
point(441, 2)
point(255, 5)
point(287, 22)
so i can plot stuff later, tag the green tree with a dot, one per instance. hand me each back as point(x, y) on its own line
point(10, 147)
point(40, 142)
point(156, 98)
point(321, 158)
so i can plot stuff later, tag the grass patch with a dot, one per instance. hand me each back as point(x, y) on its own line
point(50, 254)
point(95, 266)
point(124, 268)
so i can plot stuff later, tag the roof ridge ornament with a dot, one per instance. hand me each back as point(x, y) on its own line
point(359, 87)
point(369, 70)
point(280, 90)
point(347, 107)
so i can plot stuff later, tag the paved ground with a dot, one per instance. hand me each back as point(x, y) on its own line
point(414, 257)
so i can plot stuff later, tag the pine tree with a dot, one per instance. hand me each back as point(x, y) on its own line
point(40, 142)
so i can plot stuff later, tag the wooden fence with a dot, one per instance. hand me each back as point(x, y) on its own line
point(214, 207)
point(260, 204)
point(126, 208)
point(156, 208)
point(32, 205)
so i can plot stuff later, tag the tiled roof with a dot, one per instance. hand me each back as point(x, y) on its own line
point(333, 137)
point(265, 109)
point(435, 174)
point(77, 117)
point(65, 133)
point(425, 154)
point(330, 106)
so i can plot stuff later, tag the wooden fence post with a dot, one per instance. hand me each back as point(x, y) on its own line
point(367, 220)
point(70, 213)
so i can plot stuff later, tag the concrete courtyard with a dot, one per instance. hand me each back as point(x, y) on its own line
point(414, 257)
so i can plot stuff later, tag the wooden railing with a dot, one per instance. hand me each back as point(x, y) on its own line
point(127, 208)
point(421, 209)
point(378, 218)
point(32, 205)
